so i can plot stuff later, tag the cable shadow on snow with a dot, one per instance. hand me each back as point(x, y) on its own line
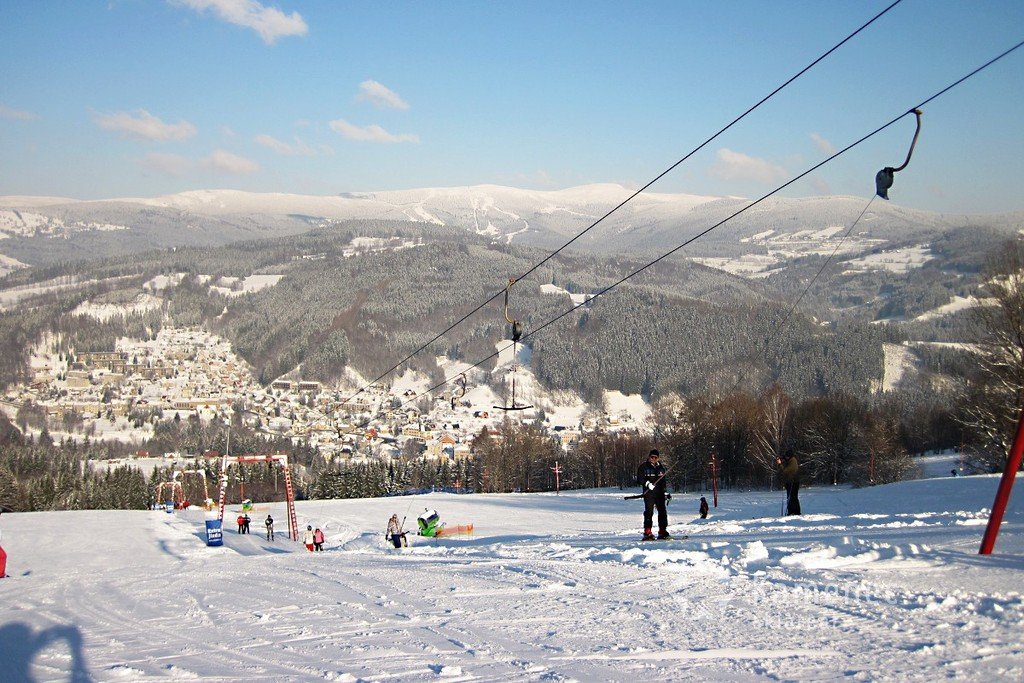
point(166, 549)
point(20, 645)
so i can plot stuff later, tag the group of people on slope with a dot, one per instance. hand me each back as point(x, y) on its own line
point(313, 539)
point(650, 476)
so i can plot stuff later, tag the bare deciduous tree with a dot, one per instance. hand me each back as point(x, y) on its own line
point(995, 396)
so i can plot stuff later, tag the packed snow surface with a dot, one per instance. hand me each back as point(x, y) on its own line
point(875, 583)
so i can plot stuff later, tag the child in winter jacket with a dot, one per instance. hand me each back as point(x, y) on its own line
point(307, 538)
point(318, 540)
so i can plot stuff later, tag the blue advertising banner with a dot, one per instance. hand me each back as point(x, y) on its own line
point(214, 532)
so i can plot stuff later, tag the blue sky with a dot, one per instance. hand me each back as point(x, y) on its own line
point(150, 97)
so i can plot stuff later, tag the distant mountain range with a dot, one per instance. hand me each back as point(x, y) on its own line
point(43, 230)
point(356, 279)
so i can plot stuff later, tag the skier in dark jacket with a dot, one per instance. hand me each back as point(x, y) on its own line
point(270, 527)
point(651, 478)
point(791, 480)
point(703, 507)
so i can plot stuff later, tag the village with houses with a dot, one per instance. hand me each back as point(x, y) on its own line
point(121, 394)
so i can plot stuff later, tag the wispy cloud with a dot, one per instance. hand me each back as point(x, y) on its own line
point(226, 162)
point(380, 96)
point(821, 186)
point(739, 166)
point(371, 133)
point(269, 22)
point(16, 114)
point(167, 164)
point(143, 125)
point(823, 145)
point(297, 148)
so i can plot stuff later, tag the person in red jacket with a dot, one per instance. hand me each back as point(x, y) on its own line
point(241, 524)
point(3, 557)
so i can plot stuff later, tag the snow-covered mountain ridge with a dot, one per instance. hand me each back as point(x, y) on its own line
point(650, 222)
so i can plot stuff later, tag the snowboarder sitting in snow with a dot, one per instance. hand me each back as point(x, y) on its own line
point(307, 538)
point(270, 528)
point(241, 524)
point(395, 533)
point(791, 480)
point(703, 507)
point(651, 478)
point(318, 540)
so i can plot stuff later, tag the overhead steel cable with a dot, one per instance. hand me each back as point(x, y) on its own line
point(627, 199)
point(752, 204)
point(796, 303)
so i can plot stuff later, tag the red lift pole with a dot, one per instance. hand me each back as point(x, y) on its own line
point(714, 475)
point(1003, 494)
point(557, 470)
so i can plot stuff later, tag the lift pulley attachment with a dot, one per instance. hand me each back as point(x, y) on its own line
point(517, 328)
point(460, 391)
point(517, 333)
point(884, 178)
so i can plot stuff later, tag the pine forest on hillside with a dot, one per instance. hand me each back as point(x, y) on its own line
point(755, 378)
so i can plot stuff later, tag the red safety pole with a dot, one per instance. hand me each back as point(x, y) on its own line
point(1003, 494)
point(714, 476)
point(557, 470)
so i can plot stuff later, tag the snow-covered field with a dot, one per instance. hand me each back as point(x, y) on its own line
point(876, 583)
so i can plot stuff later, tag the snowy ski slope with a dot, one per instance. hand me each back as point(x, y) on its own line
point(877, 583)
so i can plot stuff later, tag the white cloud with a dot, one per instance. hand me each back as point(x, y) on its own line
point(380, 96)
point(823, 145)
point(16, 114)
point(227, 131)
point(371, 133)
point(269, 22)
point(821, 186)
point(168, 164)
point(738, 166)
point(298, 148)
point(227, 162)
point(143, 125)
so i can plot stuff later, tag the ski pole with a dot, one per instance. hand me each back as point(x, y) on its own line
point(655, 482)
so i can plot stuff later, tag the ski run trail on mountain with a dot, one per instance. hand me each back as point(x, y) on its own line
point(880, 583)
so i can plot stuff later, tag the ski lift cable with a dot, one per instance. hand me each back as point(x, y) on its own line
point(712, 138)
point(629, 198)
point(781, 187)
point(792, 309)
point(752, 204)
